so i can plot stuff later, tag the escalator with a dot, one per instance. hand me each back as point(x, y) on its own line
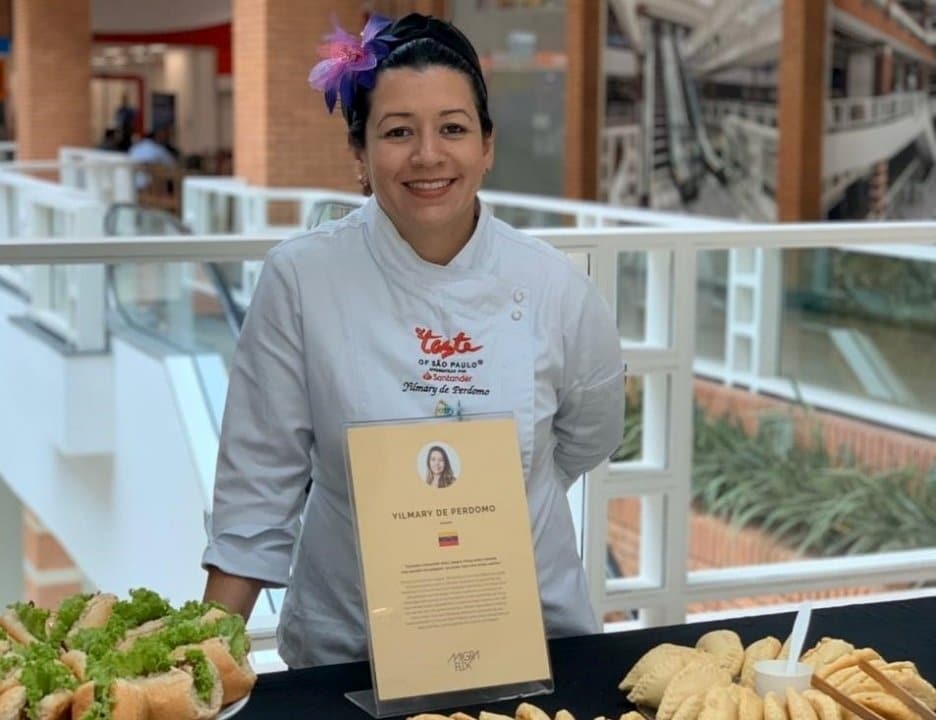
point(676, 147)
point(711, 158)
point(188, 307)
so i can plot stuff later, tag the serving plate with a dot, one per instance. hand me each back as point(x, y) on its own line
point(234, 708)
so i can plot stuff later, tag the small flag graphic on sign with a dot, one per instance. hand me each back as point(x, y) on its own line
point(448, 538)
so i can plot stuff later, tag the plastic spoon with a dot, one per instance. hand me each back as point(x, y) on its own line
point(798, 636)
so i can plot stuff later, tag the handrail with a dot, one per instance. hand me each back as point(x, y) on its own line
point(855, 112)
point(916, 240)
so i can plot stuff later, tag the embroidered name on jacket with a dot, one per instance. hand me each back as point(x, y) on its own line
point(448, 365)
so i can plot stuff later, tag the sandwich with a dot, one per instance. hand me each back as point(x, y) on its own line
point(125, 616)
point(77, 613)
point(25, 623)
point(149, 683)
point(43, 688)
point(99, 658)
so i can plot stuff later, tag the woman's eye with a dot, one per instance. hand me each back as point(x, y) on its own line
point(397, 132)
point(453, 129)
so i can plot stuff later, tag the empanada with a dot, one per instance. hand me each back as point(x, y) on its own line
point(527, 711)
point(827, 650)
point(493, 716)
point(842, 676)
point(849, 660)
point(885, 705)
point(564, 715)
point(909, 679)
point(774, 707)
point(766, 648)
point(726, 646)
point(460, 716)
point(750, 705)
point(696, 677)
point(651, 686)
point(719, 704)
point(632, 715)
point(826, 708)
point(798, 707)
point(689, 708)
point(649, 660)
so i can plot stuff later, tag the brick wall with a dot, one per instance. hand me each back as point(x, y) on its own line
point(49, 573)
point(283, 136)
point(875, 447)
point(52, 76)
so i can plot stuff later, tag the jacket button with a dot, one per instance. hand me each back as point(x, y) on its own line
point(516, 315)
point(518, 296)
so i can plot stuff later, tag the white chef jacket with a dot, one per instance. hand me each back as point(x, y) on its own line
point(331, 338)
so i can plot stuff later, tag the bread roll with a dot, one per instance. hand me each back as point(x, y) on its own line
point(127, 701)
point(150, 627)
point(55, 706)
point(15, 628)
point(12, 703)
point(237, 679)
point(172, 696)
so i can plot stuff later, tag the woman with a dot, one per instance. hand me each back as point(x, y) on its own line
point(349, 320)
point(438, 469)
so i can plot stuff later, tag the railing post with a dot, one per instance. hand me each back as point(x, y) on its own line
point(87, 287)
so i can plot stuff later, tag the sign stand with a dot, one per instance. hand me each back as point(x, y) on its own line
point(447, 568)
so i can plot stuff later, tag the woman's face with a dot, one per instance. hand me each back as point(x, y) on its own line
point(426, 155)
point(436, 462)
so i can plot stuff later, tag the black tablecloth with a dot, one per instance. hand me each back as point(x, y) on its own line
point(587, 669)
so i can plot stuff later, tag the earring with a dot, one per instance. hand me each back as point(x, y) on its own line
point(362, 179)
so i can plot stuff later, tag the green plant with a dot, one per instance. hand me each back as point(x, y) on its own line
point(803, 497)
point(796, 492)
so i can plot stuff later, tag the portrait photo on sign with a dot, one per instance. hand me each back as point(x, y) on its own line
point(438, 465)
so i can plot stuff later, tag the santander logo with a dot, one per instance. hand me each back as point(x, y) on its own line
point(433, 344)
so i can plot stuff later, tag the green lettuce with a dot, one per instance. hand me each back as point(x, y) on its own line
point(95, 642)
point(10, 661)
point(144, 605)
point(33, 618)
point(68, 613)
point(201, 674)
point(42, 675)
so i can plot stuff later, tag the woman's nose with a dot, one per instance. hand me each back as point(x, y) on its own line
point(427, 151)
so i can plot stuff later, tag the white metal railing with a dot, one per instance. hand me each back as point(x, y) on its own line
point(857, 112)
point(715, 112)
point(620, 164)
point(664, 358)
point(67, 300)
point(107, 175)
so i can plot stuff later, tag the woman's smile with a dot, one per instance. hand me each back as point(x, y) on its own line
point(429, 189)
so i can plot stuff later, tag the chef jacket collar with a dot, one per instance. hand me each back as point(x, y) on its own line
point(396, 255)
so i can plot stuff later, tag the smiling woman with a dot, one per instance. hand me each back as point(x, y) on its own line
point(418, 304)
point(425, 156)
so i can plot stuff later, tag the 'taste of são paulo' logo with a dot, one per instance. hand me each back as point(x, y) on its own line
point(433, 344)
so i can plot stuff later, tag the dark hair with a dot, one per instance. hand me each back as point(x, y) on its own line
point(426, 42)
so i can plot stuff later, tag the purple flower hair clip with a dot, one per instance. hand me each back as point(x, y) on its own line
point(350, 60)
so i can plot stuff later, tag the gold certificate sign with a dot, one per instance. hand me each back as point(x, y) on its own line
point(450, 585)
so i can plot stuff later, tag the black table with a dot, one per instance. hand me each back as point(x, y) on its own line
point(587, 669)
